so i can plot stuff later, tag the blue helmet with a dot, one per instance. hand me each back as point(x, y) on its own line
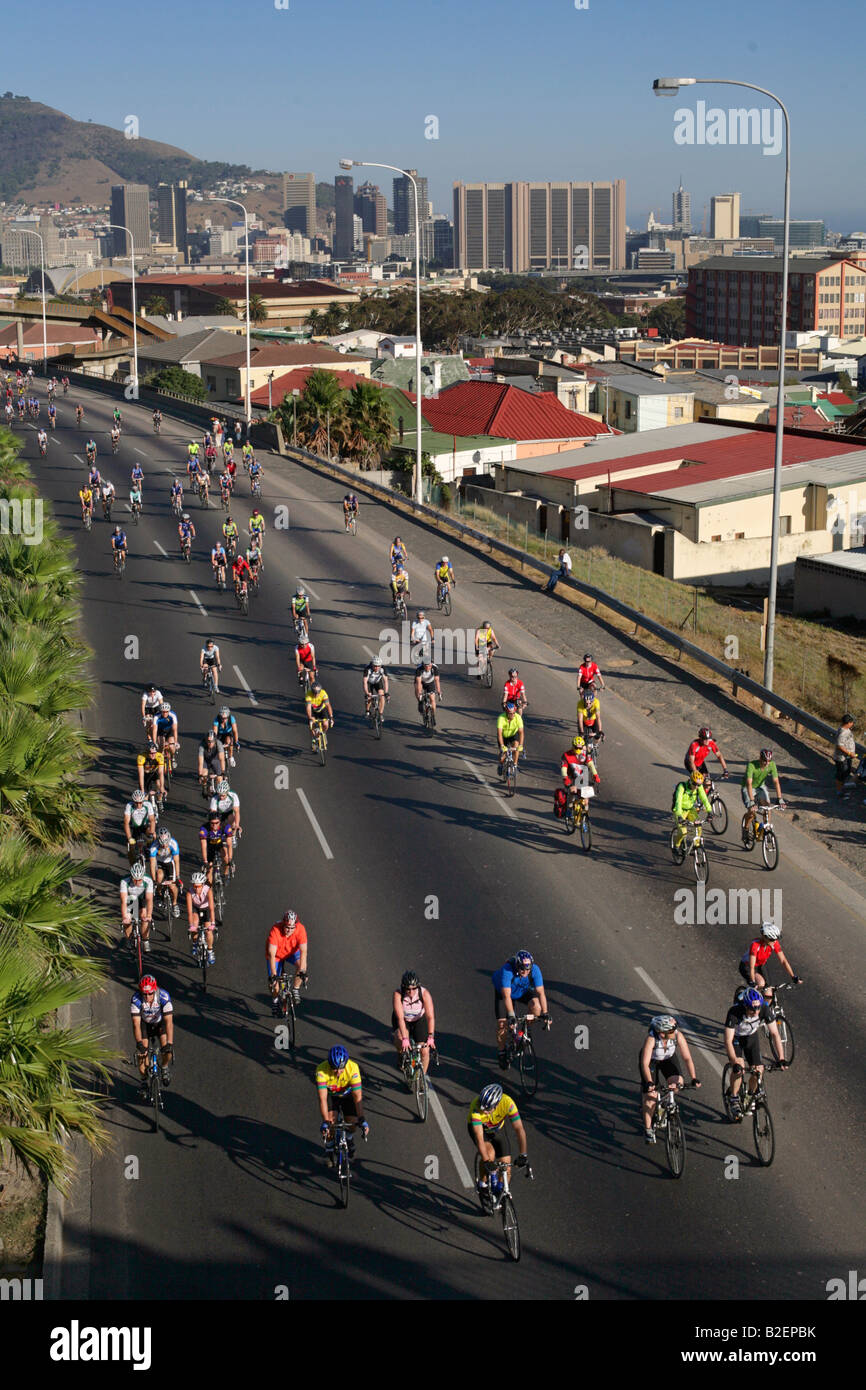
point(338, 1057)
point(753, 999)
point(490, 1096)
point(524, 958)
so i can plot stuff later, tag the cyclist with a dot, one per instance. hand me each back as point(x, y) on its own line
point(135, 498)
point(229, 450)
point(254, 560)
point(227, 805)
point(225, 726)
point(107, 498)
point(443, 574)
point(658, 1057)
point(257, 474)
point(119, 545)
point(519, 980)
point(139, 824)
point(412, 1018)
point(211, 761)
point(203, 484)
point(51, 387)
point(485, 645)
point(754, 959)
point(165, 865)
point(52, 415)
point(230, 468)
point(257, 527)
point(79, 414)
point(574, 760)
point(210, 657)
point(241, 572)
point(421, 635)
point(192, 452)
point(116, 415)
point(137, 887)
point(700, 749)
point(589, 674)
point(214, 840)
point(305, 659)
point(115, 439)
point(589, 713)
point(230, 534)
point(246, 454)
point(151, 771)
point(287, 941)
point(317, 701)
point(193, 472)
point(338, 1082)
point(399, 581)
point(427, 683)
point(515, 691)
point(210, 454)
point(350, 509)
point(398, 551)
point(742, 1044)
point(176, 495)
point(375, 683)
point(42, 441)
point(157, 421)
point(186, 533)
point(688, 801)
point(200, 914)
point(65, 384)
point(752, 788)
point(218, 562)
point(486, 1125)
point(94, 478)
point(90, 452)
point(225, 489)
point(165, 729)
point(85, 495)
point(509, 729)
point(151, 703)
point(152, 1017)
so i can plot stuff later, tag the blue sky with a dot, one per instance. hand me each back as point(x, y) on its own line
point(521, 89)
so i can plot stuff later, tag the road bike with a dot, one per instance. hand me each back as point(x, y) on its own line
point(412, 1067)
point(761, 829)
point(135, 511)
point(520, 1051)
point(177, 505)
point(43, 448)
point(186, 550)
point(107, 503)
point(498, 1198)
point(157, 425)
point(374, 714)
point(254, 580)
point(219, 892)
point(443, 598)
point(691, 845)
point(667, 1120)
point(87, 518)
point(341, 1157)
point(153, 1080)
point(718, 818)
point(576, 814)
point(780, 1018)
point(428, 713)
point(302, 629)
point(242, 597)
point(225, 497)
point(221, 578)
point(256, 485)
point(115, 445)
point(163, 905)
point(201, 951)
point(320, 739)
point(306, 678)
point(399, 605)
point(119, 562)
point(485, 666)
point(508, 769)
point(208, 683)
point(284, 1000)
point(204, 493)
point(753, 1103)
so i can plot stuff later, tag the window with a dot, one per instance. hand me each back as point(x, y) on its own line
point(784, 526)
point(739, 535)
point(715, 538)
point(678, 412)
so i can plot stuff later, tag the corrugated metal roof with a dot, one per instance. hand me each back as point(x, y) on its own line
point(710, 484)
point(487, 407)
point(647, 386)
point(297, 380)
point(837, 559)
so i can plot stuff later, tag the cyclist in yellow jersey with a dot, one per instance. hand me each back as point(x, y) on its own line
point(589, 714)
point(86, 497)
point(443, 573)
point(318, 706)
point(485, 637)
point(257, 526)
point(509, 729)
point(230, 532)
point(486, 1125)
point(338, 1082)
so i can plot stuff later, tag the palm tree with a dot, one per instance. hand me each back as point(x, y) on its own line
point(258, 309)
point(156, 306)
point(49, 925)
point(314, 321)
point(321, 399)
point(41, 765)
point(225, 307)
point(370, 423)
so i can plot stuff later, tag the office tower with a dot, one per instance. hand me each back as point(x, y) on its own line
point(171, 212)
point(404, 205)
point(130, 206)
point(299, 203)
point(802, 232)
point(372, 208)
point(725, 216)
point(344, 207)
point(682, 210)
point(539, 226)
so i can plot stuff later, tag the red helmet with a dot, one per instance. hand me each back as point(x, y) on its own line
point(147, 984)
point(704, 734)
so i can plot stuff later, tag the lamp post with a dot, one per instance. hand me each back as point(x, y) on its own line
point(372, 164)
point(295, 394)
point(235, 204)
point(39, 238)
point(270, 385)
point(118, 226)
point(668, 86)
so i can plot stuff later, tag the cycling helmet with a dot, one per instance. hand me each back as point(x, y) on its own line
point(490, 1096)
point(199, 877)
point(767, 753)
point(151, 746)
point(376, 663)
point(338, 1057)
point(151, 688)
point(315, 689)
point(164, 836)
point(409, 981)
point(510, 707)
point(578, 742)
point(770, 932)
point(589, 691)
point(524, 958)
point(225, 712)
point(300, 592)
point(512, 672)
point(753, 999)
point(290, 917)
point(147, 984)
point(697, 778)
point(138, 796)
point(587, 657)
point(138, 868)
point(186, 516)
point(210, 736)
point(117, 530)
point(214, 816)
point(704, 733)
point(427, 662)
point(663, 1023)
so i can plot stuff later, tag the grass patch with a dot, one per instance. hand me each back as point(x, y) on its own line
point(22, 1231)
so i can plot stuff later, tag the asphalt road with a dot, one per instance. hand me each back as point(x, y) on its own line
point(404, 853)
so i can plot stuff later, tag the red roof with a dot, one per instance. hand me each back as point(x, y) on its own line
point(835, 397)
point(284, 385)
point(506, 412)
point(801, 417)
point(286, 354)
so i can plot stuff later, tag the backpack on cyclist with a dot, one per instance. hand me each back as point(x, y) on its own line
point(674, 796)
point(560, 800)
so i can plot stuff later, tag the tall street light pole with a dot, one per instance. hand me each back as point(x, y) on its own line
point(235, 204)
point(371, 164)
point(118, 226)
point(668, 86)
point(39, 238)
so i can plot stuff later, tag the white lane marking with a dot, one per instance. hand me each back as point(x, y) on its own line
point(78, 459)
point(159, 547)
point(498, 799)
point(140, 451)
point(308, 587)
point(240, 675)
point(463, 1172)
point(326, 848)
point(666, 1003)
point(197, 601)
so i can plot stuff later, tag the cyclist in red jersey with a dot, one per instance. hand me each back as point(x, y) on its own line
point(589, 673)
point(240, 571)
point(756, 955)
point(286, 946)
point(515, 690)
point(698, 752)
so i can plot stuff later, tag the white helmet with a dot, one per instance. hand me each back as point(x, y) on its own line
point(770, 932)
point(138, 869)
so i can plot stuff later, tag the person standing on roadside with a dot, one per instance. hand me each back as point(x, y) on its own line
point(846, 751)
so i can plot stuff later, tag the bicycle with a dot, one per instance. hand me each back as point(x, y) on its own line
point(201, 950)
point(693, 845)
point(163, 905)
point(186, 550)
point(254, 581)
point(115, 445)
point(221, 578)
point(177, 506)
point(399, 605)
point(225, 497)
point(508, 769)
point(342, 1161)
point(519, 1049)
point(428, 713)
point(754, 1102)
point(306, 677)
point(764, 832)
point(157, 425)
point(256, 485)
point(208, 683)
point(135, 509)
point(87, 518)
point(320, 739)
point(204, 493)
point(107, 503)
point(302, 629)
point(443, 599)
point(219, 893)
point(576, 815)
point(485, 663)
point(119, 562)
point(718, 819)
point(242, 597)
point(668, 1121)
point(501, 1200)
point(153, 1080)
point(374, 714)
point(285, 1000)
point(780, 1018)
point(415, 1077)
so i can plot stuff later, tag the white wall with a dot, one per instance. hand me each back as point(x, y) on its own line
point(738, 562)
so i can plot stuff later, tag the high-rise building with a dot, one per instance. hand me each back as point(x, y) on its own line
point(344, 207)
point(803, 232)
point(299, 203)
point(682, 210)
point(171, 212)
point(372, 208)
point(404, 204)
point(130, 206)
point(539, 226)
point(725, 216)
point(22, 249)
point(437, 241)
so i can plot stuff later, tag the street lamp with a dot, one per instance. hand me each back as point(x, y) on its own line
point(29, 232)
point(121, 228)
point(295, 394)
point(236, 204)
point(270, 384)
point(668, 86)
point(371, 164)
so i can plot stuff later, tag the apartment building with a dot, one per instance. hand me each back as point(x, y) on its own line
point(523, 226)
point(737, 299)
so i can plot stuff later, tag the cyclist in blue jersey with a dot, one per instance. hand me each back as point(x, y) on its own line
point(519, 980)
point(152, 1017)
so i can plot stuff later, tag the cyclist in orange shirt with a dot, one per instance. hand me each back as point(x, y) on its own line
point(287, 941)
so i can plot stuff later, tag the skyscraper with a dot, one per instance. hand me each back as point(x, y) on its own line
point(299, 203)
point(725, 216)
point(171, 210)
point(344, 206)
point(372, 208)
point(539, 226)
point(130, 205)
point(404, 205)
point(682, 210)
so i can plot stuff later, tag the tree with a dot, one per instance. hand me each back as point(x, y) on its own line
point(258, 309)
point(847, 385)
point(669, 318)
point(156, 306)
point(225, 307)
point(370, 425)
point(179, 382)
point(321, 403)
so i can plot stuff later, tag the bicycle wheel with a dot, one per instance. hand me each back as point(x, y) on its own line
point(211, 690)
point(726, 1085)
point(528, 1068)
point(702, 864)
point(585, 832)
point(289, 1017)
point(569, 824)
point(219, 901)
point(762, 1127)
point(343, 1175)
point(155, 1098)
point(510, 1226)
point(244, 603)
point(377, 723)
point(786, 1037)
point(446, 605)
point(419, 1088)
point(510, 779)
point(747, 836)
point(678, 852)
point(488, 673)
point(675, 1144)
point(719, 818)
point(770, 849)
